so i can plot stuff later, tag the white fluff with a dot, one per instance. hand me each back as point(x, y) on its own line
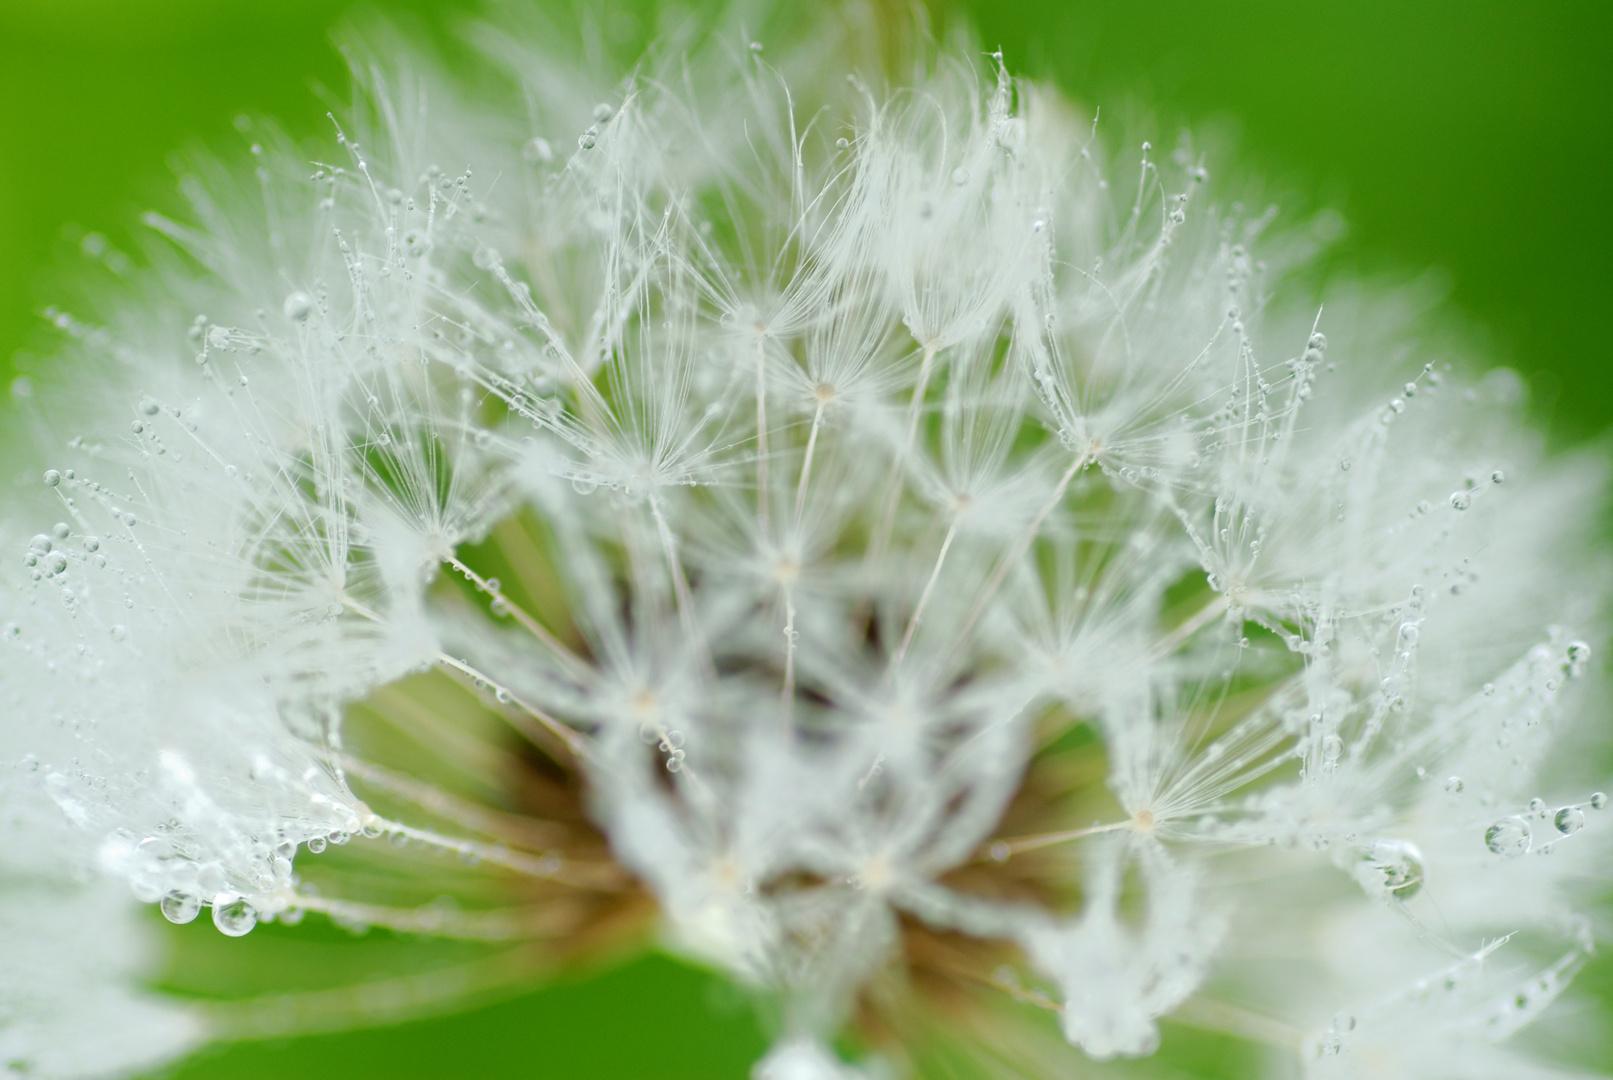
point(882, 440)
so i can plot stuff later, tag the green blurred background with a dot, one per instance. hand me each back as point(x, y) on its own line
point(1473, 139)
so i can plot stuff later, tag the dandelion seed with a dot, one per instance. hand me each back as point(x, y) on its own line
point(886, 563)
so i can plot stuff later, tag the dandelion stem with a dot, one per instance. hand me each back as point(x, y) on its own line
point(924, 598)
point(530, 624)
point(806, 465)
point(761, 434)
point(578, 744)
point(1002, 849)
point(499, 924)
point(543, 867)
point(893, 497)
point(1011, 556)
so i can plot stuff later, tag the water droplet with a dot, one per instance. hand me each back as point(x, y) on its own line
point(582, 485)
point(55, 562)
point(842, 142)
point(39, 544)
point(1536, 805)
point(1570, 819)
point(1000, 851)
point(1599, 800)
point(1409, 633)
point(538, 151)
point(960, 176)
point(52, 478)
point(588, 139)
point(298, 306)
point(1498, 477)
point(1332, 748)
point(1579, 654)
point(60, 532)
point(1509, 837)
point(233, 916)
point(316, 844)
point(179, 907)
point(1392, 868)
point(603, 112)
point(1453, 785)
point(1461, 500)
point(485, 258)
point(92, 543)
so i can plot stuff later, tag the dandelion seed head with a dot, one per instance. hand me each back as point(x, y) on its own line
point(877, 560)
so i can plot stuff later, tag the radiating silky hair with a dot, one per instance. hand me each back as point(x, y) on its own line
point(879, 535)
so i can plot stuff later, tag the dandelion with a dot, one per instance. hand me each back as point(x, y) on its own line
point(873, 542)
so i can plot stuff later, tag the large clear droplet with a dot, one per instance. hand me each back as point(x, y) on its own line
point(1599, 800)
point(298, 306)
point(180, 907)
point(1570, 819)
point(233, 915)
point(1454, 785)
point(1509, 837)
point(1332, 748)
point(1392, 868)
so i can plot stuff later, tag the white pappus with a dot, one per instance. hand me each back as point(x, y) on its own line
point(946, 574)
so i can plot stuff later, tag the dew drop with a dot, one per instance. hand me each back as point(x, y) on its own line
point(538, 151)
point(39, 544)
point(1461, 500)
point(588, 139)
point(1498, 477)
point(60, 531)
point(1570, 819)
point(960, 176)
point(1536, 805)
point(92, 543)
point(298, 306)
point(233, 916)
point(603, 112)
point(1393, 868)
point(1332, 748)
point(52, 478)
point(180, 907)
point(584, 486)
point(55, 562)
point(1579, 654)
point(1453, 785)
point(316, 844)
point(1599, 800)
point(1509, 837)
